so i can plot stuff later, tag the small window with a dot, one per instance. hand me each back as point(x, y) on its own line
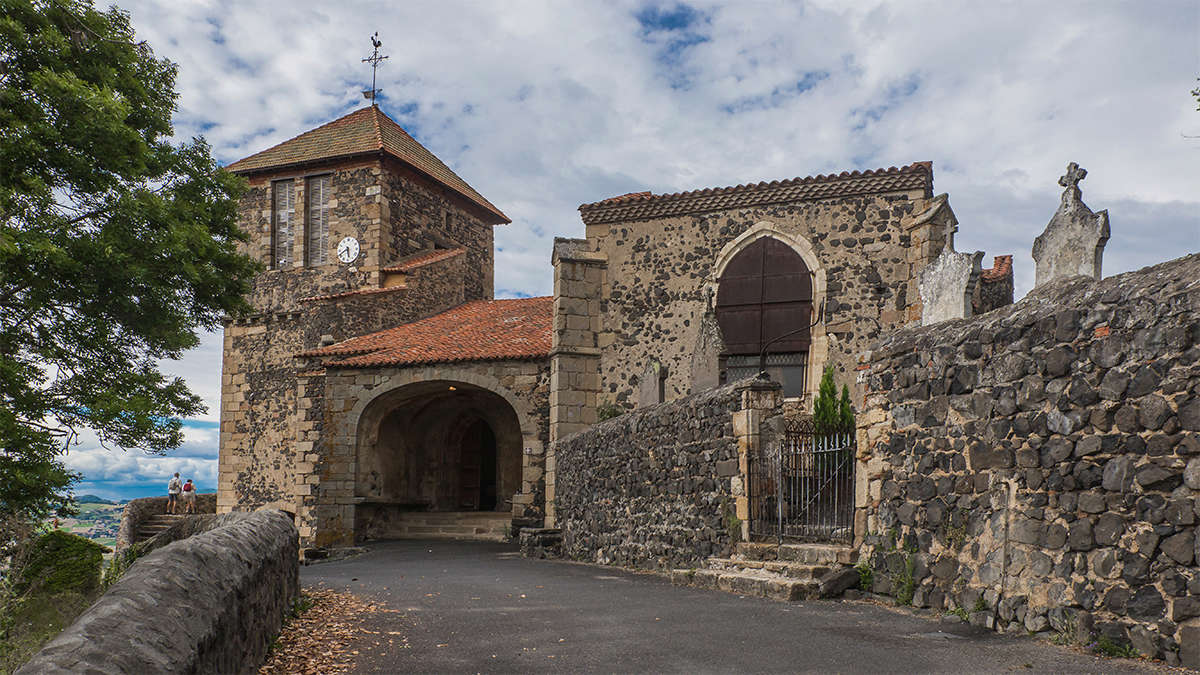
point(786, 369)
point(318, 220)
point(283, 212)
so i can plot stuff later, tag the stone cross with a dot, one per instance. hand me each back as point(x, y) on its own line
point(1073, 242)
point(947, 285)
point(1075, 173)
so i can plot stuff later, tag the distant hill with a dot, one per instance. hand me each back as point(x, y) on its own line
point(93, 499)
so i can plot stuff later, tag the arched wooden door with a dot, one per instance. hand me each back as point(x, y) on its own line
point(764, 299)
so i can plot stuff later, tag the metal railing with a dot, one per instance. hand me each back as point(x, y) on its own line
point(803, 487)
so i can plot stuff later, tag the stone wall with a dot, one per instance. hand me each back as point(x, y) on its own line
point(424, 214)
point(209, 603)
point(865, 251)
point(427, 290)
point(136, 511)
point(661, 487)
point(1040, 465)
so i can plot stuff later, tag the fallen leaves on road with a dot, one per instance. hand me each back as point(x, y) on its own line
point(316, 641)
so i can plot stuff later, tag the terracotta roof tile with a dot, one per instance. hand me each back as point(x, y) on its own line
point(1002, 269)
point(364, 131)
point(480, 330)
point(422, 259)
point(645, 205)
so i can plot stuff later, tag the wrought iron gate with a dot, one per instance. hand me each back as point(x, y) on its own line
point(802, 487)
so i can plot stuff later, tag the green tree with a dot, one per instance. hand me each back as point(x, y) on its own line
point(845, 411)
point(116, 245)
point(825, 405)
point(832, 415)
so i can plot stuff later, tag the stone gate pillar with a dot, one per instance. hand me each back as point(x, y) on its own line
point(575, 354)
point(761, 400)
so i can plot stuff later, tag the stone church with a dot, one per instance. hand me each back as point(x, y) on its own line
point(378, 389)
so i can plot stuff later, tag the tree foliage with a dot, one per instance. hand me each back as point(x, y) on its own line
point(116, 244)
point(832, 415)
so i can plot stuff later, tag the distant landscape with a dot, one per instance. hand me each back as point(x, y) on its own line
point(98, 519)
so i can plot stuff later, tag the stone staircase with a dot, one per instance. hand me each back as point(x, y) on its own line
point(789, 572)
point(484, 525)
point(155, 524)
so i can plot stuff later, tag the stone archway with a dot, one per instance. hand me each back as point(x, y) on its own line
point(819, 340)
point(439, 446)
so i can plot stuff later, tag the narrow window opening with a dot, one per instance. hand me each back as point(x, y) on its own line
point(283, 212)
point(318, 220)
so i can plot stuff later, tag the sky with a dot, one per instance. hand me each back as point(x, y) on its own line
point(543, 106)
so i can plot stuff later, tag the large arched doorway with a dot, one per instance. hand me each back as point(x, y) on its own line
point(764, 305)
point(439, 447)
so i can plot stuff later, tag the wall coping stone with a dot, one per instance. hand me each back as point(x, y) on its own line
point(209, 603)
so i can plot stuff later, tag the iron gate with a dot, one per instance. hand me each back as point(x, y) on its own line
point(802, 487)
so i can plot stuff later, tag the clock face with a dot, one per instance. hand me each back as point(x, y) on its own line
point(347, 250)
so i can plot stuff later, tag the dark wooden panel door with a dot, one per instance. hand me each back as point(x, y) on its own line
point(470, 467)
point(765, 292)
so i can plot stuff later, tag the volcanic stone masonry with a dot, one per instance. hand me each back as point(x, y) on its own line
point(1041, 463)
point(397, 216)
point(662, 487)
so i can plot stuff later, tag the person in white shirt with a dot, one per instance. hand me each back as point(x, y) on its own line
point(174, 488)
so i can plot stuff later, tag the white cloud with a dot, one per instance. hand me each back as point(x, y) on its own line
point(542, 106)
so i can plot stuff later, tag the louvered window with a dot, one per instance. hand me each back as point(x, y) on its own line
point(764, 303)
point(282, 226)
point(318, 220)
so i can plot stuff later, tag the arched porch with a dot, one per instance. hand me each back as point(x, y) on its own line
point(444, 447)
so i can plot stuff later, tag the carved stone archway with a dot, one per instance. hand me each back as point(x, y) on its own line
point(819, 349)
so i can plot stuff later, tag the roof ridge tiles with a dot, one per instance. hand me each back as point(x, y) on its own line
point(917, 175)
point(423, 258)
point(364, 132)
point(378, 126)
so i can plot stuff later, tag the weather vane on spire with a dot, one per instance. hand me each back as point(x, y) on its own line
point(374, 60)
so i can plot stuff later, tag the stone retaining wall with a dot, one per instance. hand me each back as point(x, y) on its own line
point(661, 487)
point(1039, 466)
point(136, 512)
point(210, 603)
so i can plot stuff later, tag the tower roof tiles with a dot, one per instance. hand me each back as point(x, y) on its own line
point(363, 132)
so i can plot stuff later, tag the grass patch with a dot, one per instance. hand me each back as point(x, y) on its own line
point(904, 582)
point(1107, 647)
point(53, 578)
point(866, 576)
point(608, 411)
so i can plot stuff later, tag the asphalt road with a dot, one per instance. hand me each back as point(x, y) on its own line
point(466, 607)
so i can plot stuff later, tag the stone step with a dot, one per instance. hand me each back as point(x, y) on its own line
point(465, 520)
point(169, 518)
point(157, 524)
point(791, 570)
point(812, 554)
point(756, 583)
point(493, 529)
